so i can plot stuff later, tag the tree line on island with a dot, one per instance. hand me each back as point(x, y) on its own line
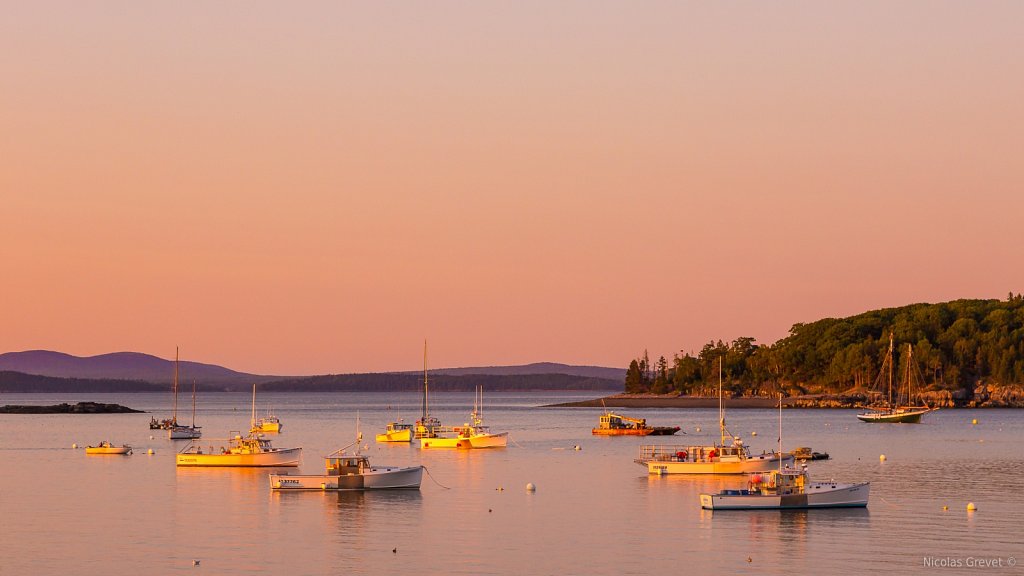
point(956, 346)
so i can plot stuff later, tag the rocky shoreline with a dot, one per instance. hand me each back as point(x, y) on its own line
point(65, 408)
point(985, 396)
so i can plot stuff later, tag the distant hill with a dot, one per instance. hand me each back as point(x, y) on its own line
point(537, 368)
point(133, 371)
point(407, 382)
point(121, 366)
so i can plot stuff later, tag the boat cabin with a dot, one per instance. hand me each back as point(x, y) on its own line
point(347, 465)
point(776, 482)
point(610, 421)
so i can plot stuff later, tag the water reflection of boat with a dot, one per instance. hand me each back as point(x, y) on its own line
point(105, 447)
point(351, 472)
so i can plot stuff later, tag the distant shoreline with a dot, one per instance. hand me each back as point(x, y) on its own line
point(65, 408)
point(825, 401)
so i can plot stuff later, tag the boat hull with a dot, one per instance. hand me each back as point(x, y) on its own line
point(820, 495)
point(277, 457)
point(622, 431)
point(377, 478)
point(757, 463)
point(184, 433)
point(110, 450)
point(894, 417)
point(499, 440)
point(396, 436)
point(460, 442)
point(268, 427)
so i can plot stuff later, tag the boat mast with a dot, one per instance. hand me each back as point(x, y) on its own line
point(252, 419)
point(780, 433)
point(174, 417)
point(423, 417)
point(910, 366)
point(193, 403)
point(721, 409)
point(890, 369)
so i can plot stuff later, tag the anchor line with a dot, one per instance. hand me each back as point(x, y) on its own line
point(431, 476)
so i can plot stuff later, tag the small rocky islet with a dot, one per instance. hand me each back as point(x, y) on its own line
point(65, 408)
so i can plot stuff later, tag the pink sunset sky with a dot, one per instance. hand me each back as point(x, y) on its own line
point(314, 187)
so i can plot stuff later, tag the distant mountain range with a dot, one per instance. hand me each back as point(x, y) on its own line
point(45, 371)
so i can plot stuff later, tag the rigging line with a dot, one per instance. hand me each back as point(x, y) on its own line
point(513, 440)
point(431, 476)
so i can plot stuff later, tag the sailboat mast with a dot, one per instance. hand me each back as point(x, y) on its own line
point(780, 432)
point(174, 417)
point(721, 409)
point(910, 366)
point(193, 402)
point(890, 369)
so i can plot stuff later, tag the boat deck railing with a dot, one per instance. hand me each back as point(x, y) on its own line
point(685, 453)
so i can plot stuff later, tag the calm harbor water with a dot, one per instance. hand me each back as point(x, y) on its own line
point(594, 511)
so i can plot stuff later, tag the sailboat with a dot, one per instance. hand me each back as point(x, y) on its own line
point(721, 458)
point(249, 451)
point(427, 426)
point(177, 431)
point(900, 409)
point(788, 489)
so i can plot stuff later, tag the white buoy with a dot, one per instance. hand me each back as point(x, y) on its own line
point(971, 507)
point(882, 458)
point(150, 436)
point(576, 447)
point(531, 488)
point(698, 428)
point(753, 433)
point(150, 451)
point(75, 446)
point(945, 508)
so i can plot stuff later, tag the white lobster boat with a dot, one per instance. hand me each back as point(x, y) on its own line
point(351, 472)
point(721, 458)
point(788, 489)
